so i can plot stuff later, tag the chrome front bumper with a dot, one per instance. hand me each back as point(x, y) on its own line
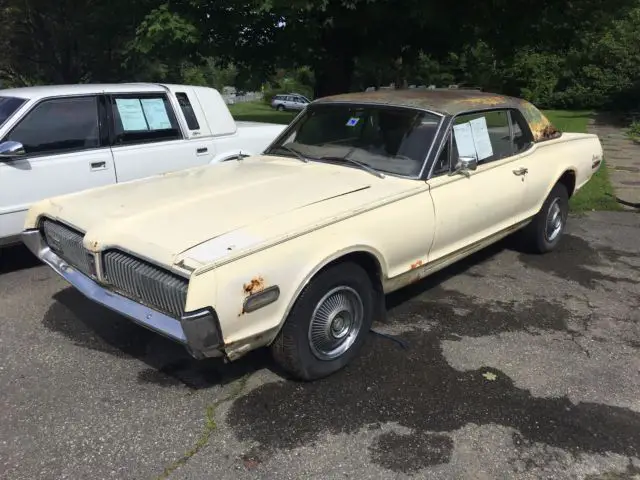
point(198, 331)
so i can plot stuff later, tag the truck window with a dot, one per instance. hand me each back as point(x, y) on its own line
point(187, 111)
point(59, 125)
point(143, 118)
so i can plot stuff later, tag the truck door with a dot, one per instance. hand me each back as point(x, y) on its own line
point(148, 138)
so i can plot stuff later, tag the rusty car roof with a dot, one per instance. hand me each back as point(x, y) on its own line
point(451, 101)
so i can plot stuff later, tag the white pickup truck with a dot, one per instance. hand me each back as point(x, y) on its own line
point(66, 138)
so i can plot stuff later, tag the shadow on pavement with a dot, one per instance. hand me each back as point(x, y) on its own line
point(17, 258)
point(94, 327)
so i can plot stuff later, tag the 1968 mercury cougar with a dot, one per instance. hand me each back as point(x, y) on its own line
point(294, 249)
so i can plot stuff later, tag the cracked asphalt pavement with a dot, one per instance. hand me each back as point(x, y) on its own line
point(505, 365)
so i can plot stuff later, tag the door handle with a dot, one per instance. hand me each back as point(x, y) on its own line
point(202, 150)
point(521, 171)
point(98, 165)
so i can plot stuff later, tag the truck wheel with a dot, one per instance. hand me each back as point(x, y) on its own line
point(280, 108)
point(328, 323)
point(545, 230)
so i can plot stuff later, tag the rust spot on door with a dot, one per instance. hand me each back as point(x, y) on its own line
point(416, 264)
point(255, 285)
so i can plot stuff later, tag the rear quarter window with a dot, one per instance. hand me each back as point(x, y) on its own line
point(187, 111)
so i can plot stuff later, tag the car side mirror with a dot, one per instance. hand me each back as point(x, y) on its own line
point(465, 165)
point(11, 149)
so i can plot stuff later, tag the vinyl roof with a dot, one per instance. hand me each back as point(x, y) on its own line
point(449, 101)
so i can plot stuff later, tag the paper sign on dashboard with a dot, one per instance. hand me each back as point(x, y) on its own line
point(131, 114)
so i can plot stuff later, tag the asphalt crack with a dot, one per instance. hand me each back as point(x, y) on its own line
point(210, 426)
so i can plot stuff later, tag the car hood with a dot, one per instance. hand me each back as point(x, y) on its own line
point(197, 215)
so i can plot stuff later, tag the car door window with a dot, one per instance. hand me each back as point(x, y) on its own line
point(59, 125)
point(521, 134)
point(484, 135)
point(142, 119)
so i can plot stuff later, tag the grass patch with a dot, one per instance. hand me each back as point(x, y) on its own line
point(569, 120)
point(633, 132)
point(597, 194)
point(259, 112)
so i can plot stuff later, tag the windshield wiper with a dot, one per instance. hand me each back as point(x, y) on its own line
point(295, 152)
point(363, 166)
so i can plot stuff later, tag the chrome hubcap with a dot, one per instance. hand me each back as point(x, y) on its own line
point(335, 323)
point(554, 221)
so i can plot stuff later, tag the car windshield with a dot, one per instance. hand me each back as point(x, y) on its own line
point(8, 106)
point(390, 140)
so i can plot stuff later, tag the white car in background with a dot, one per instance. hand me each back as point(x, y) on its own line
point(290, 101)
point(62, 139)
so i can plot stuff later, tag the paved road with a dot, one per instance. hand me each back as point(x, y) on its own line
point(506, 366)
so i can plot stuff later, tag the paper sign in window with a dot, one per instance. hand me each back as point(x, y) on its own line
point(481, 138)
point(156, 113)
point(464, 140)
point(131, 114)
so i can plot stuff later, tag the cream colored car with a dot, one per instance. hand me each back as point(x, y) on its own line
point(294, 249)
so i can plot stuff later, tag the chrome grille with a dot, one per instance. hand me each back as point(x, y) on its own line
point(145, 283)
point(67, 244)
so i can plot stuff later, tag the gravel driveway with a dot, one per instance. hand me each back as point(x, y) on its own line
point(504, 366)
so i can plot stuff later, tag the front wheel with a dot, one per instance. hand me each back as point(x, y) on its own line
point(280, 108)
point(543, 233)
point(328, 324)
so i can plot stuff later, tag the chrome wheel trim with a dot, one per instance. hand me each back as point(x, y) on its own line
point(336, 322)
point(555, 222)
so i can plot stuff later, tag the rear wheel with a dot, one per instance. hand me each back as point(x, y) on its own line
point(545, 230)
point(328, 323)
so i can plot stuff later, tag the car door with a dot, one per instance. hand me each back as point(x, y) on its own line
point(536, 164)
point(289, 102)
point(298, 103)
point(485, 202)
point(66, 150)
point(146, 137)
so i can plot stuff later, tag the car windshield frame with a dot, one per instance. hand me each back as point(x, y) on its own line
point(312, 152)
point(18, 103)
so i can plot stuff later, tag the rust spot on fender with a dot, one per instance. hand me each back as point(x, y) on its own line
point(416, 264)
point(255, 285)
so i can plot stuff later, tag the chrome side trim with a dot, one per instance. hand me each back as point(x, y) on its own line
point(140, 314)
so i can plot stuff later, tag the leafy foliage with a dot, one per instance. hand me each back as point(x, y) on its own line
point(558, 53)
